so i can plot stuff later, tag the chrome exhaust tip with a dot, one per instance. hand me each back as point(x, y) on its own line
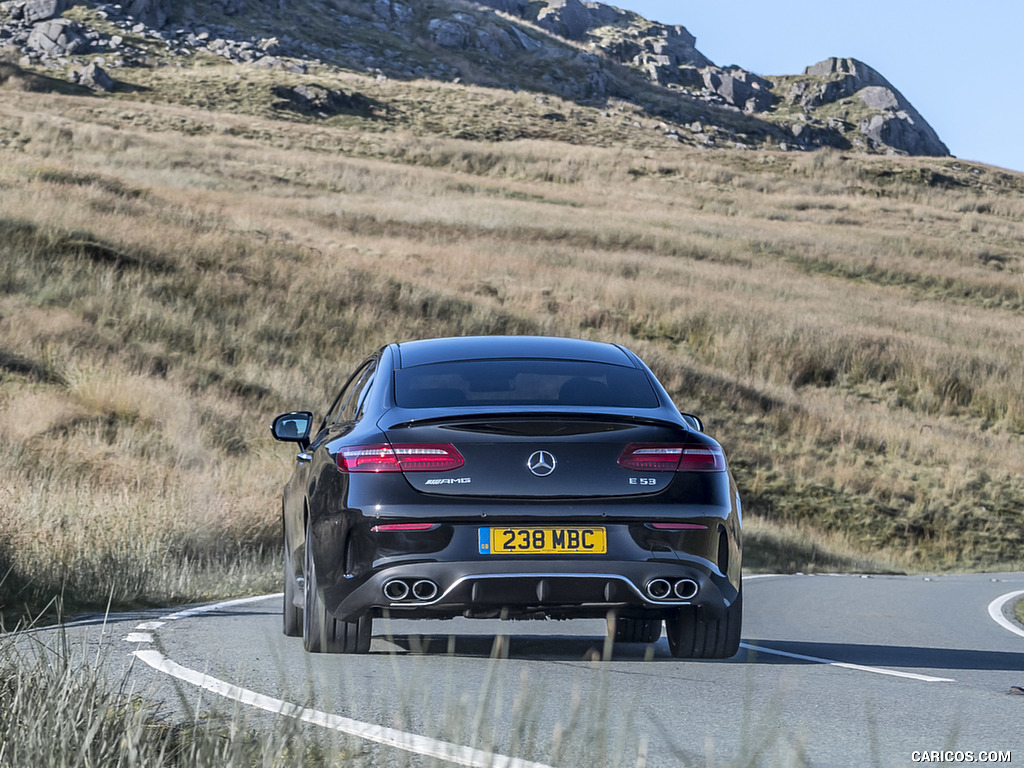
point(396, 589)
point(685, 589)
point(424, 589)
point(659, 589)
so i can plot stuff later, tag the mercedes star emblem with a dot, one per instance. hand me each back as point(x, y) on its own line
point(541, 463)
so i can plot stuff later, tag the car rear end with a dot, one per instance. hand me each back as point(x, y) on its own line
point(532, 488)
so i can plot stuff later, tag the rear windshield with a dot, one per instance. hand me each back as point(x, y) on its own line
point(522, 382)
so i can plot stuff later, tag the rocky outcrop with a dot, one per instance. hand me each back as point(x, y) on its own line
point(896, 123)
point(658, 50)
point(583, 51)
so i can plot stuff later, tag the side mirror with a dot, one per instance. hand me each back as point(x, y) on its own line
point(293, 427)
point(693, 421)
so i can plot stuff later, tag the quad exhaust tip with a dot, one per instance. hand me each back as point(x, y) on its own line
point(397, 590)
point(659, 589)
point(424, 589)
point(663, 589)
point(685, 589)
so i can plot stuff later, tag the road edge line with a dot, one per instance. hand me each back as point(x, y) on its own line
point(410, 742)
point(995, 610)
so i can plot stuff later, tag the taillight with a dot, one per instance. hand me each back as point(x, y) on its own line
point(702, 459)
point(408, 457)
point(667, 457)
point(651, 458)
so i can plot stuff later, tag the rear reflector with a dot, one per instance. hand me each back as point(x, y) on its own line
point(397, 527)
point(408, 457)
point(678, 526)
point(667, 457)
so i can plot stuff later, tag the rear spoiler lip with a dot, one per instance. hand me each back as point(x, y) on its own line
point(583, 414)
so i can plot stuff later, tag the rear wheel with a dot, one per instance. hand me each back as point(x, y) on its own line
point(321, 632)
point(692, 634)
point(630, 629)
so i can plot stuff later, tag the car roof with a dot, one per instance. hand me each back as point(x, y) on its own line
point(427, 351)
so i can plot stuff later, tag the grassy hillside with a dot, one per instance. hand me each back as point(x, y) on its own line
point(176, 267)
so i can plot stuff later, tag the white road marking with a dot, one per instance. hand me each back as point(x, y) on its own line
point(150, 625)
point(995, 610)
point(217, 606)
point(139, 637)
point(845, 665)
point(410, 742)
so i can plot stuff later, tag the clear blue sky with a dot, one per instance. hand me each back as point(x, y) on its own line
point(959, 63)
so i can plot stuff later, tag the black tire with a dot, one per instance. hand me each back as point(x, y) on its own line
point(692, 634)
point(321, 632)
point(629, 629)
point(292, 613)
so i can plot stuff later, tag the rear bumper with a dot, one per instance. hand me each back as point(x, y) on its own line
point(533, 589)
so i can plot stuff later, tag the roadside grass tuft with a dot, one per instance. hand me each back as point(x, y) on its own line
point(64, 705)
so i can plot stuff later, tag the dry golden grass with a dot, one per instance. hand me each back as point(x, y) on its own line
point(171, 277)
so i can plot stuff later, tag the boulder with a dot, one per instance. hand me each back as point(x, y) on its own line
point(566, 18)
point(57, 37)
point(393, 12)
point(449, 33)
point(491, 41)
point(152, 13)
point(525, 41)
point(94, 77)
point(858, 70)
point(13, 10)
point(313, 99)
point(902, 132)
point(739, 88)
point(42, 10)
point(878, 97)
point(819, 136)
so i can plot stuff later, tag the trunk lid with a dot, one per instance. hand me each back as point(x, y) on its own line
point(553, 455)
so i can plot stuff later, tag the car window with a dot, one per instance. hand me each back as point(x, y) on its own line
point(523, 382)
point(361, 396)
point(356, 393)
point(346, 397)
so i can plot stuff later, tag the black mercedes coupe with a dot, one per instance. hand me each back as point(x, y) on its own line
point(509, 477)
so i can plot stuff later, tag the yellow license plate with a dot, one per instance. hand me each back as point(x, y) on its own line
point(552, 540)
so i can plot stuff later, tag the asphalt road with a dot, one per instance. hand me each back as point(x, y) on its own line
point(834, 671)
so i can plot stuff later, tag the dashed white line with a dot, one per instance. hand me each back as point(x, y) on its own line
point(410, 742)
point(139, 637)
point(995, 610)
point(846, 665)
